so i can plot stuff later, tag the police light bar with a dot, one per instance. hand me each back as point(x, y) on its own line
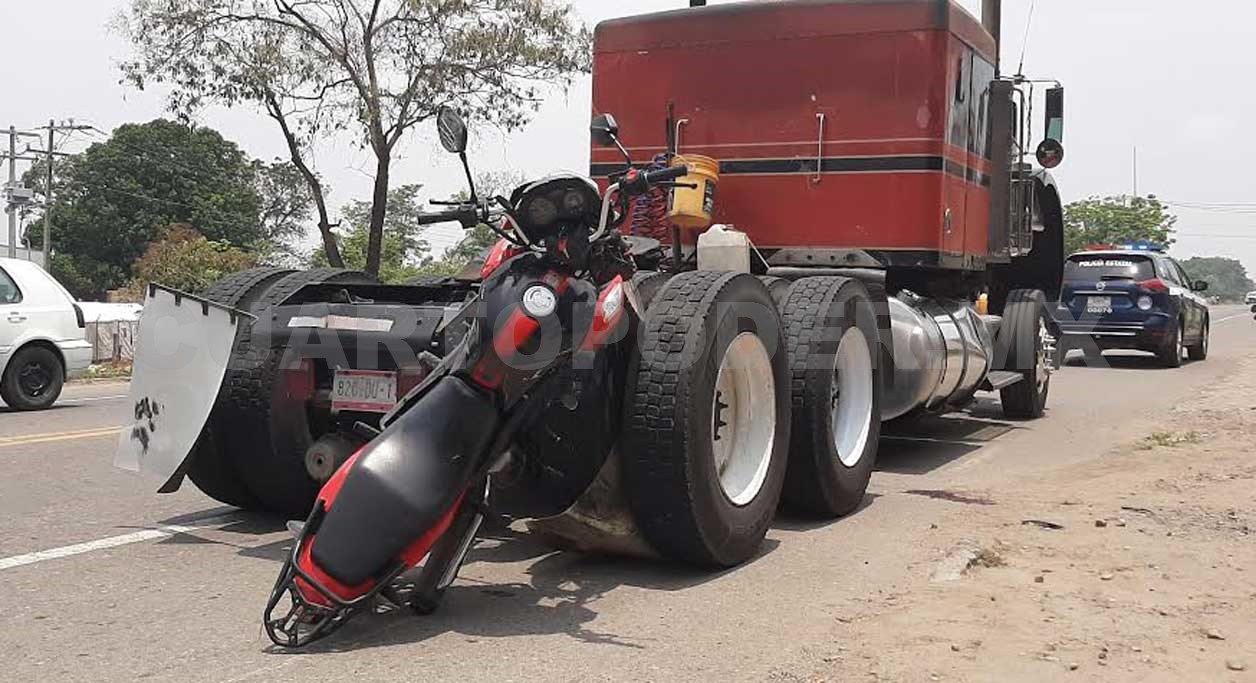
point(1142, 245)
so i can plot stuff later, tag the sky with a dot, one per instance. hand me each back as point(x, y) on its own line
point(1163, 76)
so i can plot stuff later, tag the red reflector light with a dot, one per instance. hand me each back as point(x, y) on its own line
point(1154, 285)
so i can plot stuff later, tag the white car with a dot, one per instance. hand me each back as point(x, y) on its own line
point(41, 336)
point(1250, 298)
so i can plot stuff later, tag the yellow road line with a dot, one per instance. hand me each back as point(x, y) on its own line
point(29, 439)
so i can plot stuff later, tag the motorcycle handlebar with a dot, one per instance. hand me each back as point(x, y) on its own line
point(467, 214)
point(640, 182)
point(666, 174)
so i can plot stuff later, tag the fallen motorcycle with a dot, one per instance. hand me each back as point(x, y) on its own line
point(557, 292)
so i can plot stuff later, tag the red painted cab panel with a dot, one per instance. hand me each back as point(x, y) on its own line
point(837, 123)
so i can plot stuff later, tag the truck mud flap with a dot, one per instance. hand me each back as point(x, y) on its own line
point(599, 521)
point(183, 347)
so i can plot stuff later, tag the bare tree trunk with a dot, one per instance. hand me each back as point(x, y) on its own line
point(379, 208)
point(330, 247)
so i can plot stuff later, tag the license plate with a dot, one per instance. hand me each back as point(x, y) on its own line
point(1099, 304)
point(369, 391)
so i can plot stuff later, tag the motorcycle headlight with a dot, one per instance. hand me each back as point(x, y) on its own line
point(1144, 303)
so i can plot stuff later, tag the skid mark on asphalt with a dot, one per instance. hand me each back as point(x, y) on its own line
point(50, 437)
point(111, 542)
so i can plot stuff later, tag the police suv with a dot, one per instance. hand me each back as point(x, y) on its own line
point(1132, 297)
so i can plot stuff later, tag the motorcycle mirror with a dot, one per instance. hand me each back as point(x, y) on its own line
point(605, 130)
point(452, 129)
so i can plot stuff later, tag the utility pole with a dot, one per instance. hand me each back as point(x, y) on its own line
point(16, 196)
point(51, 152)
point(52, 126)
point(11, 209)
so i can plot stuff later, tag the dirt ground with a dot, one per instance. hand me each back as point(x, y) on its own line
point(1140, 565)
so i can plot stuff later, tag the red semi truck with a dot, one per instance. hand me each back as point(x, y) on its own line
point(874, 165)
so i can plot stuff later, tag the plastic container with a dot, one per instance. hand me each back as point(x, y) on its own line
point(691, 207)
point(723, 247)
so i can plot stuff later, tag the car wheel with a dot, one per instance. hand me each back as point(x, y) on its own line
point(1199, 350)
point(1170, 353)
point(706, 433)
point(835, 386)
point(33, 380)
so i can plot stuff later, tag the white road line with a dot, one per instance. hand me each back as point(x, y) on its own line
point(110, 542)
point(1232, 317)
point(91, 399)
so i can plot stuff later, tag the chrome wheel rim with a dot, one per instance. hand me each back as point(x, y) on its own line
point(852, 397)
point(1042, 371)
point(743, 419)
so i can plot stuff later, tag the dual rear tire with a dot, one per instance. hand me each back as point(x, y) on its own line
point(723, 376)
point(251, 453)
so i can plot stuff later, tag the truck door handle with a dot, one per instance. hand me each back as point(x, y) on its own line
point(16, 318)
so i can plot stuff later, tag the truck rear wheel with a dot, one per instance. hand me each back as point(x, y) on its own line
point(835, 388)
point(269, 430)
point(1024, 344)
point(211, 468)
point(707, 419)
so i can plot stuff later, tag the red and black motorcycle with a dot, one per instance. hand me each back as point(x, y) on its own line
point(556, 292)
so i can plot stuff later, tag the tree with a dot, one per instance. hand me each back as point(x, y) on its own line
point(1226, 277)
point(287, 207)
point(373, 67)
point(184, 259)
point(117, 196)
point(1116, 220)
point(402, 246)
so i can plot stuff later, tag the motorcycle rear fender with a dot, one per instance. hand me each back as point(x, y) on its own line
point(403, 484)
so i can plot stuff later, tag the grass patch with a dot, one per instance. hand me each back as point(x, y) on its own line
point(1169, 440)
point(100, 371)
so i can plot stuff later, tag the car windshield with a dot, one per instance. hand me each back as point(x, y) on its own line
point(1108, 267)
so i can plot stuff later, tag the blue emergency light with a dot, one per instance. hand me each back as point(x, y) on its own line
point(1142, 245)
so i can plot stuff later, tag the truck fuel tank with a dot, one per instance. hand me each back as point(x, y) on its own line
point(943, 350)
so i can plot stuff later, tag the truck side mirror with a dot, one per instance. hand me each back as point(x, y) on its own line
point(1055, 115)
point(1199, 286)
point(605, 130)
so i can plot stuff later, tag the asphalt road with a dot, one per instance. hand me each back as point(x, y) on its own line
point(101, 578)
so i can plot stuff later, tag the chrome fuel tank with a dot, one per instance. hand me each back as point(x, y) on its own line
point(942, 352)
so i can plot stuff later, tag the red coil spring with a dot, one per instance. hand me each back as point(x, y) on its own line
point(649, 211)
